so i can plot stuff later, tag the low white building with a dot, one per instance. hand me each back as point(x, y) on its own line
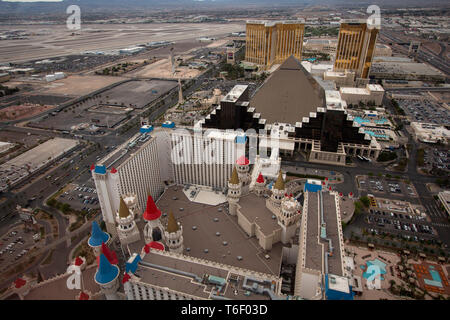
point(372, 92)
point(4, 146)
point(344, 78)
point(430, 133)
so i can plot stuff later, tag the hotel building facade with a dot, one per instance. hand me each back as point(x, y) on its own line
point(356, 47)
point(272, 42)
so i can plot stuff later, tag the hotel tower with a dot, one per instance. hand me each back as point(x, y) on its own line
point(356, 45)
point(272, 42)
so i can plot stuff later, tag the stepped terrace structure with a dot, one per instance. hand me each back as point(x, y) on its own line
point(293, 107)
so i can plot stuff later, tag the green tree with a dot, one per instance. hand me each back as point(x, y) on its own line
point(365, 201)
point(51, 202)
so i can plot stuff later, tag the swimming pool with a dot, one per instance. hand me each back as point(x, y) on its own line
point(361, 120)
point(376, 262)
point(437, 281)
point(376, 135)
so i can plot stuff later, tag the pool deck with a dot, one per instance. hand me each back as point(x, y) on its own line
point(370, 255)
point(432, 277)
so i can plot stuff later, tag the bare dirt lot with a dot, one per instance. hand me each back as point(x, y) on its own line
point(16, 112)
point(163, 69)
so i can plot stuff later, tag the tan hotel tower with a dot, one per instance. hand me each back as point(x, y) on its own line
point(272, 42)
point(356, 45)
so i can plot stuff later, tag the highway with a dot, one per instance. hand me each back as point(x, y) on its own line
point(423, 55)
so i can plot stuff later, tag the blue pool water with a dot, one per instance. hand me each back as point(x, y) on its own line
point(361, 120)
point(378, 263)
point(437, 281)
point(376, 135)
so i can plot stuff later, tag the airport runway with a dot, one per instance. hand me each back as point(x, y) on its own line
point(45, 41)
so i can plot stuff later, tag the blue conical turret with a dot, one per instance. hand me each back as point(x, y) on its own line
point(97, 236)
point(106, 271)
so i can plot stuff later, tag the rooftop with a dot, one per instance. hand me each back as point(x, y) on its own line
point(314, 249)
point(235, 93)
point(125, 150)
point(270, 23)
point(202, 222)
point(57, 289)
point(352, 90)
point(192, 277)
point(332, 232)
point(404, 68)
point(254, 209)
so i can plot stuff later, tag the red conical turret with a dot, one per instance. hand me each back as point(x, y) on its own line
point(83, 296)
point(92, 167)
point(242, 161)
point(113, 170)
point(78, 261)
point(260, 178)
point(109, 254)
point(19, 283)
point(126, 277)
point(151, 212)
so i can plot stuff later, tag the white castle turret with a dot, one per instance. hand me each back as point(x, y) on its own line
point(243, 168)
point(278, 191)
point(126, 226)
point(260, 185)
point(288, 217)
point(153, 230)
point(174, 235)
point(107, 277)
point(234, 192)
point(97, 238)
point(22, 286)
point(107, 184)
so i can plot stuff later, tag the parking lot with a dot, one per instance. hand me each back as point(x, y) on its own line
point(14, 246)
point(126, 99)
point(425, 111)
point(80, 197)
point(386, 186)
point(434, 158)
point(410, 227)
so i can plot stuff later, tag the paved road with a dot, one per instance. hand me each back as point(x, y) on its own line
point(59, 261)
point(423, 54)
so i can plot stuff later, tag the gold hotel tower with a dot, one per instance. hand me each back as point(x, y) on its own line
point(272, 42)
point(356, 45)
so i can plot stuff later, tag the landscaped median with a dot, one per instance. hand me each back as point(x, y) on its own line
point(79, 217)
